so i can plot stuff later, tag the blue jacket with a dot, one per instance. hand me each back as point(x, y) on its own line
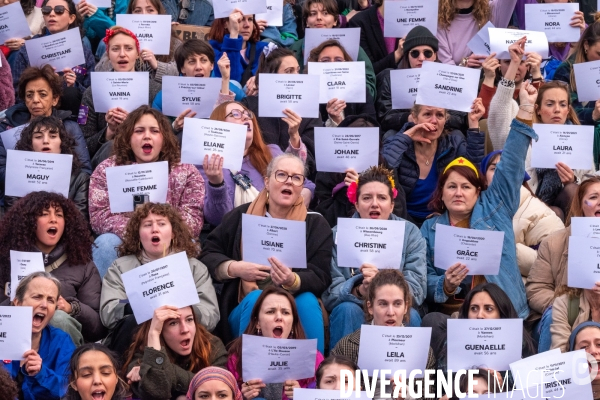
point(96, 24)
point(233, 47)
point(494, 210)
point(284, 35)
point(200, 12)
point(56, 348)
point(413, 266)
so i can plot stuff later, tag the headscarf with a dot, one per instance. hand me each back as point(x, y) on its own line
point(486, 161)
point(213, 373)
point(579, 328)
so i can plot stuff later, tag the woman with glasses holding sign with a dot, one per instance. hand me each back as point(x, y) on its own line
point(281, 198)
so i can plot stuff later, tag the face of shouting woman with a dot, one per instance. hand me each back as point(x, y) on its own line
point(147, 139)
point(275, 318)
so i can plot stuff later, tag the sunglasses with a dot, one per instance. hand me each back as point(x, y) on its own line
point(417, 53)
point(58, 10)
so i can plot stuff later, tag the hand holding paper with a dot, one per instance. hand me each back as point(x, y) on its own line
point(454, 276)
point(280, 274)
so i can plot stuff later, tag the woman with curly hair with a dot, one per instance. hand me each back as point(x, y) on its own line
point(145, 136)
point(9, 387)
point(51, 224)
point(153, 231)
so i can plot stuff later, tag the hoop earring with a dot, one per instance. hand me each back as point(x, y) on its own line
point(267, 197)
point(292, 333)
point(258, 332)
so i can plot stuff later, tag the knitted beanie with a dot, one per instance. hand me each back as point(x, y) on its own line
point(420, 36)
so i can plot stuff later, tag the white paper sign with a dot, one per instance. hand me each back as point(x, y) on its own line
point(274, 14)
point(587, 78)
point(337, 149)
point(480, 43)
point(13, 24)
point(223, 8)
point(584, 262)
point(553, 19)
point(397, 348)
point(403, 15)
point(97, 3)
point(274, 237)
point(340, 80)
point(525, 370)
point(447, 86)
point(373, 241)
point(166, 281)
point(585, 227)
point(198, 94)
point(404, 85)
point(297, 92)
point(10, 137)
point(570, 144)
point(206, 137)
point(479, 250)
point(501, 39)
point(322, 394)
point(127, 90)
point(276, 360)
point(126, 181)
point(152, 30)
point(28, 171)
point(60, 50)
point(489, 343)
point(15, 331)
point(22, 264)
point(349, 38)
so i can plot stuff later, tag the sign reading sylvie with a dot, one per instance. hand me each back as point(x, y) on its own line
point(22, 264)
point(403, 15)
point(223, 8)
point(127, 90)
point(447, 86)
point(480, 43)
point(397, 348)
point(60, 50)
point(587, 78)
point(554, 20)
point(153, 31)
point(126, 181)
point(404, 84)
point(15, 332)
point(479, 250)
point(585, 227)
point(198, 94)
point(13, 24)
point(274, 14)
point(374, 241)
point(337, 149)
point(10, 137)
point(570, 144)
point(29, 171)
point(166, 281)
point(340, 80)
point(274, 237)
point(322, 394)
point(348, 37)
point(584, 262)
point(276, 360)
point(489, 343)
point(206, 137)
point(501, 39)
point(296, 92)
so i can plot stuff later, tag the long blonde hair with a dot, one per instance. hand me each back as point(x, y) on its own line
point(447, 11)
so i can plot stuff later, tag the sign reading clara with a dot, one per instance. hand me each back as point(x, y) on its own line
point(29, 171)
point(152, 30)
point(198, 94)
point(404, 84)
point(337, 149)
point(276, 360)
point(222, 8)
point(126, 181)
point(60, 50)
point(13, 24)
point(584, 262)
point(569, 144)
point(501, 39)
point(127, 90)
point(15, 332)
point(554, 20)
point(348, 37)
point(340, 80)
point(166, 281)
point(297, 92)
point(402, 16)
point(23, 263)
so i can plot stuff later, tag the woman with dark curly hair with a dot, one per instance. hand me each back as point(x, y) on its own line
point(144, 137)
point(9, 387)
point(153, 231)
point(49, 223)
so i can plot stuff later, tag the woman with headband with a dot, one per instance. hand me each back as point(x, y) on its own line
point(213, 382)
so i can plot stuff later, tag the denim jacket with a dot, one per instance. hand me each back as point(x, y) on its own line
point(201, 12)
point(494, 210)
point(413, 266)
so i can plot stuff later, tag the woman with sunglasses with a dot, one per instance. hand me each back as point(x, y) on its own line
point(242, 281)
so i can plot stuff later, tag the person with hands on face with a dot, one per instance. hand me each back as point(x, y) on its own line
point(213, 383)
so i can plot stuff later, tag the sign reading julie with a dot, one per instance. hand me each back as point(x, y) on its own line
point(337, 149)
point(127, 90)
point(479, 250)
point(296, 92)
point(340, 80)
point(276, 360)
point(153, 31)
point(197, 94)
point(15, 332)
point(29, 171)
point(126, 181)
point(403, 15)
point(489, 343)
point(584, 262)
point(348, 37)
point(166, 281)
point(222, 8)
point(447, 86)
point(404, 83)
point(398, 348)
point(554, 19)
point(60, 50)
point(501, 39)
point(373, 241)
point(13, 24)
point(273, 237)
point(570, 144)
point(10, 137)
point(22, 264)
point(587, 78)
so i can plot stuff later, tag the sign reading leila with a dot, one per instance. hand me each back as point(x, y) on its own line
point(59, 50)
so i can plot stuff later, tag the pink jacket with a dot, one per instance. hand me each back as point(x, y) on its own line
point(186, 194)
point(7, 93)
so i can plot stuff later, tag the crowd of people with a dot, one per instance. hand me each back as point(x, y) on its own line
point(436, 167)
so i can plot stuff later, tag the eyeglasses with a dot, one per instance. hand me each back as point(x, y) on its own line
point(417, 53)
point(239, 114)
point(58, 10)
point(282, 176)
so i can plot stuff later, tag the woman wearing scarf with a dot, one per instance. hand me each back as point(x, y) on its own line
point(212, 380)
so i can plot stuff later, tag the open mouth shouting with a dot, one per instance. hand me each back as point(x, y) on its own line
point(38, 320)
point(277, 332)
point(248, 126)
point(374, 214)
point(147, 148)
point(155, 240)
point(46, 149)
point(52, 232)
point(186, 345)
point(390, 322)
point(286, 192)
point(98, 394)
point(123, 63)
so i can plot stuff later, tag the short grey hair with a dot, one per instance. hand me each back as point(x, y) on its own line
point(24, 284)
point(275, 160)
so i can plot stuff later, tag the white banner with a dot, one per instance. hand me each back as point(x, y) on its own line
point(585, 227)
point(127, 90)
point(198, 94)
point(274, 14)
point(584, 262)
point(501, 39)
point(29, 171)
point(222, 8)
point(337, 149)
point(340, 80)
point(587, 78)
point(22, 264)
point(349, 38)
point(13, 24)
point(15, 331)
point(569, 144)
point(294, 91)
point(401, 16)
point(554, 20)
point(59, 50)
point(404, 84)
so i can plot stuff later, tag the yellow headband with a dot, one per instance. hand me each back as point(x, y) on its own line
point(462, 162)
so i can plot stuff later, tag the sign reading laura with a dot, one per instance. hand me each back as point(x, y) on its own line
point(569, 144)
